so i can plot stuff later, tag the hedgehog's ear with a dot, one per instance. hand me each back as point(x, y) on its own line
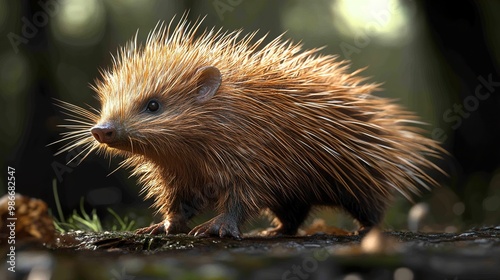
point(209, 80)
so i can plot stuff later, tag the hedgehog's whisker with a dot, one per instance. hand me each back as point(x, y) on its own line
point(117, 168)
point(83, 122)
point(70, 135)
point(87, 148)
point(72, 145)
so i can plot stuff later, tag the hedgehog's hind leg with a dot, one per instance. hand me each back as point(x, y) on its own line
point(288, 218)
point(367, 215)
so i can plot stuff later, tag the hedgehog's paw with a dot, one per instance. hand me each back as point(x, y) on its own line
point(222, 226)
point(153, 229)
point(165, 227)
point(272, 232)
point(278, 231)
point(363, 230)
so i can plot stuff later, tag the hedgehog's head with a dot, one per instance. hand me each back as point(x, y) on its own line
point(145, 110)
point(148, 112)
point(153, 97)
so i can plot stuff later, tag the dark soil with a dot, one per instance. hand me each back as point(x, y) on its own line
point(474, 254)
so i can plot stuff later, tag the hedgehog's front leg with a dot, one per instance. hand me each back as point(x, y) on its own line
point(175, 221)
point(225, 224)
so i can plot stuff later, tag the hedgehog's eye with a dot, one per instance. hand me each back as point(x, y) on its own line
point(153, 106)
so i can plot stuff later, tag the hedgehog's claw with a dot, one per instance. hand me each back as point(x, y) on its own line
point(164, 228)
point(221, 226)
point(153, 229)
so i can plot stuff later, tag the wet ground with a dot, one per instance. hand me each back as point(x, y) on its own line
point(474, 254)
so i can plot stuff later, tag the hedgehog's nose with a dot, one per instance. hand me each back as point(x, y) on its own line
point(104, 133)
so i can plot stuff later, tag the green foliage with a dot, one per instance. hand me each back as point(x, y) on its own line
point(84, 221)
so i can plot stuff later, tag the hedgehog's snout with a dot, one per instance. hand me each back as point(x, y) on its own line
point(104, 133)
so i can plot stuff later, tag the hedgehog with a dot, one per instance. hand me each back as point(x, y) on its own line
point(217, 120)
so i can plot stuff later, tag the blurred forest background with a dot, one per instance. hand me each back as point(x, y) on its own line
point(438, 59)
